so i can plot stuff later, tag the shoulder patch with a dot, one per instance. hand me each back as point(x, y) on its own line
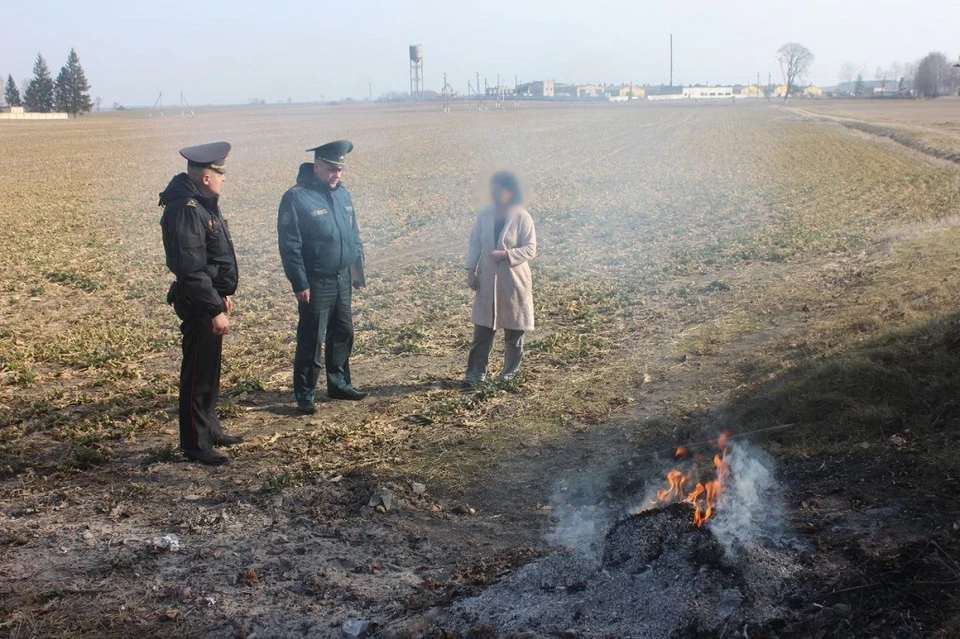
point(190, 202)
point(285, 218)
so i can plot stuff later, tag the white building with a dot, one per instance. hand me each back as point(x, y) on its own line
point(707, 93)
point(17, 113)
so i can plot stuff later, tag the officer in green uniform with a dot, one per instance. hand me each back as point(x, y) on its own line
point(322, 257)
point(199, 252)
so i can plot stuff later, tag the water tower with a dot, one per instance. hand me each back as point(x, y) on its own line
point(416, 72)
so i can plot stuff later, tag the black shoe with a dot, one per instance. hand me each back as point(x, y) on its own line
point(228, 440)
point(349, 394)
point(306, 407)
point(206, 457)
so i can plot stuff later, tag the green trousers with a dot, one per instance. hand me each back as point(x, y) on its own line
point(326, 324)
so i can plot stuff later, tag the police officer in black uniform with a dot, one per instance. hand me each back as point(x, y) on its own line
point(200, 253)
point(322, 257)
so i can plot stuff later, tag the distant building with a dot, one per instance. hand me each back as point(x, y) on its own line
point(565, 90)
point(870, 88)
point(503, 91)
point(707, 93)
point(664, 92)
point(812, 92)
point(753, 91)
point(18, 113)
point(630, 91)
point(538, 89)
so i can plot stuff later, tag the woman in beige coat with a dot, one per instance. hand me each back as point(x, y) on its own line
point(502, 244)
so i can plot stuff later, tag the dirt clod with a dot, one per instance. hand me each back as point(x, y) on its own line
point(250, 577)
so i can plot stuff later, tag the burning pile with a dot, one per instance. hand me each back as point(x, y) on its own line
point(704, 496)
point(656, 573)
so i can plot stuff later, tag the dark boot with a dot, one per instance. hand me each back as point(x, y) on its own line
point(350, 394)
point(228, 440)
point(206, 457)
point(306, 407)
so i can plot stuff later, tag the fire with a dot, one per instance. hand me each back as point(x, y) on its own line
point(704, 495)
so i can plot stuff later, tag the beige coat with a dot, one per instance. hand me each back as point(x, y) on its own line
point(505, 293)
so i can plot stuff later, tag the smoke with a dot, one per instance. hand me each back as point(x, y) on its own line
point(582, 512)
point(579, 528)
point(749, 508)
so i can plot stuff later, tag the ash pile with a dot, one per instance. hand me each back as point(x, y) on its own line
point(663, 572)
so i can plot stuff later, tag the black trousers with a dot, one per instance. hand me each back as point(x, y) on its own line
point(325, 323)
point(199, 382)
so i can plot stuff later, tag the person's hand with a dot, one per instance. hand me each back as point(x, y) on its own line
point(227, 304)
point(357, 285)
point(498, 255)
point(304, 296)
point(472, 282)
point(221, 324)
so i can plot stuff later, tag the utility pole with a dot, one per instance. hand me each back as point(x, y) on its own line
point(758, 86)
point(671, 59)
point(446, 94)
point(768, 86)
point(159, 102)
point(184, 103)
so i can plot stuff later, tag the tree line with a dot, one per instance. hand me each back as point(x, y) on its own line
point(929, 77)
point(68, 93)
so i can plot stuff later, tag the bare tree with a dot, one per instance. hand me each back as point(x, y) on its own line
point(896, 71)
point(848, 72)
point(880, 75)
point(935, 76)
point(795, 60)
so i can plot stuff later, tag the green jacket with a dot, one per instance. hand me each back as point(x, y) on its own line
point(317, 230)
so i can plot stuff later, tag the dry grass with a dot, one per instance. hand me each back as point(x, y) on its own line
point(929, 126)
point(665, 233)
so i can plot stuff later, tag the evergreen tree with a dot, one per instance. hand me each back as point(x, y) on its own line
point(39, 94)
point(72, 88)
point(11, 93)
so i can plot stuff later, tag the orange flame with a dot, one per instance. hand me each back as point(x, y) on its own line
point(704, 495)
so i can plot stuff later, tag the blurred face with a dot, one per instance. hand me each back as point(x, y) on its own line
point(327, 173)
point(501, 197)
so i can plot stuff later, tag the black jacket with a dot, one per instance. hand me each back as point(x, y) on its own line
point(198, 245)
point(317, 230)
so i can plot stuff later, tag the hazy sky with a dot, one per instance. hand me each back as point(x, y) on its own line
point(229, 51)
